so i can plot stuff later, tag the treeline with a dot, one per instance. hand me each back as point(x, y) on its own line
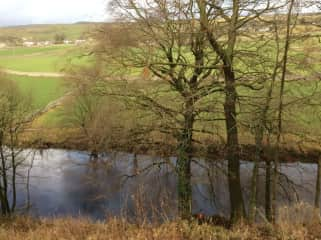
point(186, 74)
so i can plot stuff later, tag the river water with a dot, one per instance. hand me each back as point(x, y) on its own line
point(68, 183)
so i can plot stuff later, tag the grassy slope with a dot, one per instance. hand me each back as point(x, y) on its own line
point(41, 59)
point(47, 32)
point(42, 90)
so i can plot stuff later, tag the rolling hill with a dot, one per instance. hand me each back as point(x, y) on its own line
point(46, 32)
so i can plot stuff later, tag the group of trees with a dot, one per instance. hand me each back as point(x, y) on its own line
point(11, 41)
point(228, 72)
point(206, 65)
point(212, 70)
point(59, 38)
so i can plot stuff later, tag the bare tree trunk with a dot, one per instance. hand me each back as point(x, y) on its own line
point(262, 125)
point(281, 107)
point(259, 143)
point(232, 146)
point(255, 177)
point(28, 201)
point(268, 206)
point(253, 200)
point(232, 149)
point(135, 164)
point(184, 164)
point(5, 200)
point(14, 172)
point(317, 186)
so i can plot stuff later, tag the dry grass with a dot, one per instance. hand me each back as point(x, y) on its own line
point(300, 222)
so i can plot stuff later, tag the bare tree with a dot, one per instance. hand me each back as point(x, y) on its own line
point(173, 49)
point(225, 24)
point(15, 109)
point(284, 66)
point(192, 55)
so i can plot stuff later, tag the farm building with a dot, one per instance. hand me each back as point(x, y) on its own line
point(28, 44)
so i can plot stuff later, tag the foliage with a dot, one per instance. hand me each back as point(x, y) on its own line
point(59, 38)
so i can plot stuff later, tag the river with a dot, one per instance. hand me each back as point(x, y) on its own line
point(68, 183)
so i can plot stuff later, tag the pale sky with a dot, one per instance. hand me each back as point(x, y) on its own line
point(21, 12)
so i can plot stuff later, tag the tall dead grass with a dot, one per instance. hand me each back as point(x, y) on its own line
point(300, 222)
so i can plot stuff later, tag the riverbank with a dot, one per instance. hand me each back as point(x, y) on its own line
point(301, 227)
point(72, 139)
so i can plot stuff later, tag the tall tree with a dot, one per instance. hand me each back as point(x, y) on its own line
point(225, 23)
point(15, 110)
point(173, 51)
point(284, 67)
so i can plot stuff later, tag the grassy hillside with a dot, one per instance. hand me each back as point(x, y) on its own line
point(47, 31)
point(38, 60)
point(41, 59)
point(48, 59)
point(41, 89)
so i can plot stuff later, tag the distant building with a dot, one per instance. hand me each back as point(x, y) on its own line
point(28, 43)
point(80, 41)
point(44, 43)
point(68, 42)
point(3, 45)
point(47, 43)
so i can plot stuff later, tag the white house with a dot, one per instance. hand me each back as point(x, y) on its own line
point(28, 44)
point(44, 43)
point(67, 42)
point(80, 41)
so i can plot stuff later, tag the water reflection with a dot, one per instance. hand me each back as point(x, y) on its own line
point(68, 183)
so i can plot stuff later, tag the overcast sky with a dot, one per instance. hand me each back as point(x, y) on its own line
point(20, 12)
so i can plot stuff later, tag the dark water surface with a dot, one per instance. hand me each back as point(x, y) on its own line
point(67, 183)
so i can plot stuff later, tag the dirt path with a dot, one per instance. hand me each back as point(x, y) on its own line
point(34, 74)
point(60, 75)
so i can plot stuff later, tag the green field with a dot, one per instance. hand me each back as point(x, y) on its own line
point(42, 90)
point(51, 59)
point(41, 59)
